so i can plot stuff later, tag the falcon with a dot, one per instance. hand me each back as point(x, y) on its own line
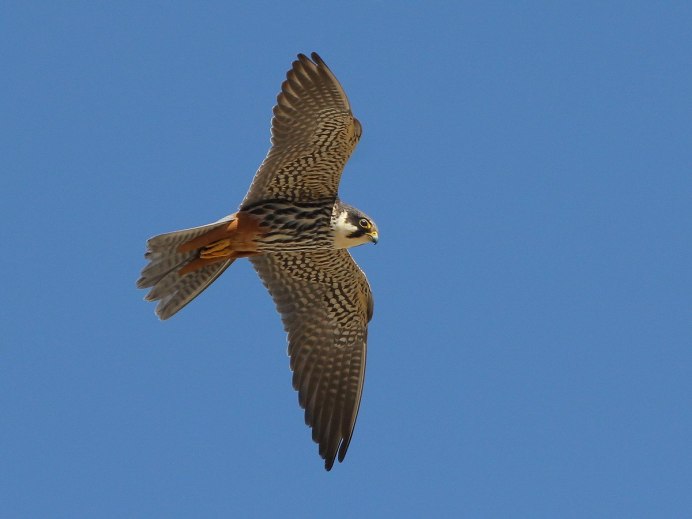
point(295, 231)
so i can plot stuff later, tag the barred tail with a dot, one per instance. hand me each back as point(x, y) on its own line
point(173, 286)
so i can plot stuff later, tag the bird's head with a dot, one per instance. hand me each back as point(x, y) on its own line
point(352, 227)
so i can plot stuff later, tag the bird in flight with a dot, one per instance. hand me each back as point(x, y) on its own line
point(295, 231)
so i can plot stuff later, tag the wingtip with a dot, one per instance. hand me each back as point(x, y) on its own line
point(329, 459)
point(302, 58)
point(314, 58)
point(343, 448)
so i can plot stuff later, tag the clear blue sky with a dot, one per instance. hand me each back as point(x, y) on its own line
point(529, 165)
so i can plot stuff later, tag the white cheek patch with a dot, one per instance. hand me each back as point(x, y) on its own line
point(342, 230)
point(350, 228)
point(344, 226)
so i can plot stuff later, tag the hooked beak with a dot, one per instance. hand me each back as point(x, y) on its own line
point(374, 237)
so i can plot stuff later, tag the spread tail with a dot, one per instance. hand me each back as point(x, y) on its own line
point(176, 273)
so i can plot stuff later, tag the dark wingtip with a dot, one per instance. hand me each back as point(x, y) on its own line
point(328, 464)
point(343, 449)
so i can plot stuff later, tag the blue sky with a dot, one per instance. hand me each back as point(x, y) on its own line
point(529, 167)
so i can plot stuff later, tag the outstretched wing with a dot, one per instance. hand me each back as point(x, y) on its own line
point(313, 135)
point(325, 303)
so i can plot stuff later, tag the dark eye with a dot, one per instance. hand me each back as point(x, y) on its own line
point(364, 223)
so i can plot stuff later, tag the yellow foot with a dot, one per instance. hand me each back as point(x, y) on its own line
point(218, 249)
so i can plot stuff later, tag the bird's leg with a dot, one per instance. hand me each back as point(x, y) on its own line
point(218, 249)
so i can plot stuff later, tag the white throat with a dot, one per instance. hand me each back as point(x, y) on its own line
point(342, 229)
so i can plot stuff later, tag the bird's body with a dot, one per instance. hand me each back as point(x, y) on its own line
point(295, 231)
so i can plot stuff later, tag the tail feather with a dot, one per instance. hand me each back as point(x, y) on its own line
point(170, 287)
